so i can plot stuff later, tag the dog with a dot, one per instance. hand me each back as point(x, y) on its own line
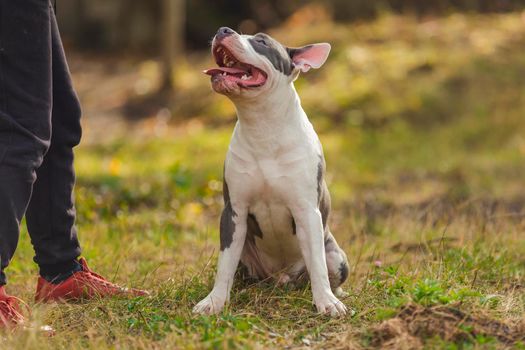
point(276, 201)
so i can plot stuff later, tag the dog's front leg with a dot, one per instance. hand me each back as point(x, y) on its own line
point(311, 240)
point(233, 234)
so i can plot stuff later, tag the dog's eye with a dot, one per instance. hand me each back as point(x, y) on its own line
point(261, 41)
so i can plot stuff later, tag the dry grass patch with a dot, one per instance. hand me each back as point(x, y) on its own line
point(414, 324)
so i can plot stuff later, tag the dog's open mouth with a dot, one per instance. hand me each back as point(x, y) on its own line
point(235, 71)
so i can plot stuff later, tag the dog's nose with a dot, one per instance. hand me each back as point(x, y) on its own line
point(224, 32)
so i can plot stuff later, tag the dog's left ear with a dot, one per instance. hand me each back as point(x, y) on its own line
point(309, 56)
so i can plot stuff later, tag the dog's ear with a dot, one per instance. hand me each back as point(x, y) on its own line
point(309, 56)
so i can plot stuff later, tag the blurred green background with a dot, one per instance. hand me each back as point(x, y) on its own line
point(423, 96)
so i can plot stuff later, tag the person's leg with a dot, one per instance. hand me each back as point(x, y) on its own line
point(51, 212)
point(25, 111)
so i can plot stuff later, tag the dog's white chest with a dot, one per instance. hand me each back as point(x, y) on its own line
point(269, 173)
point(269, 185)
point(271, 178)
point(278, 243)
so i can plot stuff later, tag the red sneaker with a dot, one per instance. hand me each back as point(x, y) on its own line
point(10, 315)
point(83, 284)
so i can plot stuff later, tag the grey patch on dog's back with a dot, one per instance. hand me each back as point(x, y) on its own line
point(323, 195)
point(227, 226)
point(253, 226)
point(343, 271)
point(320, 171)
point(325, 204)
point(273, 51)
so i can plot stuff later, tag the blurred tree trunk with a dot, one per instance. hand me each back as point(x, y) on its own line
point(80, 20)
point(172, 43)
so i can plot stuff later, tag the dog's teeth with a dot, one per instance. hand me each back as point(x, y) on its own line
point(244, 77)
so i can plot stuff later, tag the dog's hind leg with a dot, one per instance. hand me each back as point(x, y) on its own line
point(337, 264)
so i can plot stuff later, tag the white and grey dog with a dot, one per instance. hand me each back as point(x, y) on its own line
point(275, 195)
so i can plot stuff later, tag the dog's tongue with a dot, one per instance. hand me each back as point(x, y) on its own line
point(256, 79)
point(214, 71)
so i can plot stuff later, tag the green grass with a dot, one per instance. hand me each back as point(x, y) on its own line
point(423, 129)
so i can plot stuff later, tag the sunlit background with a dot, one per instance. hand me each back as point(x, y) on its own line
point(427, 95)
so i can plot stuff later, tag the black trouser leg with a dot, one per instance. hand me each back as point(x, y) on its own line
point(34, 80)
point(25, 110)
point(51, 212)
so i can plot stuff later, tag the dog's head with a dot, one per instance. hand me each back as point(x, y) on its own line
point(252, 65)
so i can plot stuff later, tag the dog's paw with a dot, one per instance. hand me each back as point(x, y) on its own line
point(329, 304)
point(210, 305)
